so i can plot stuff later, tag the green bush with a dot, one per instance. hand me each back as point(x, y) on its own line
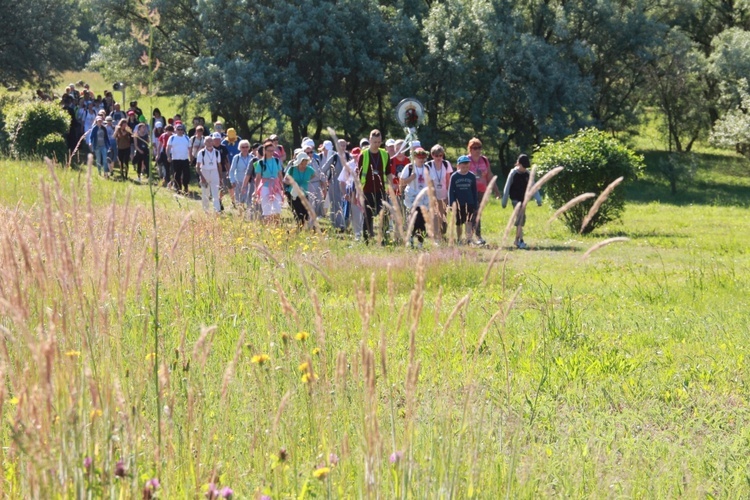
point(592, 160)
point(53, 146)
point(28, 123)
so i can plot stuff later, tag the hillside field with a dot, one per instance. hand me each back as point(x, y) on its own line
point(146, 341)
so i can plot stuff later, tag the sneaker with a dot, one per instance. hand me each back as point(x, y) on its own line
point(480, 241)
point(521, 245)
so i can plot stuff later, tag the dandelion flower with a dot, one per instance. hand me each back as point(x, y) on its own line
point(316, 351)
point(308, 378)
point(259, 359)
point(304, 366)
point(302, 336)
point(321, 473)
point(73, 354)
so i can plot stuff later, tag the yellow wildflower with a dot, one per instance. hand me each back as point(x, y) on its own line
point(73, 353)
point(259, 359)
point(321, 473)
point(94, 414)
point(150, 356)
point(302, 336)
point(316, 351)
point(308, 377)
point(304, 366)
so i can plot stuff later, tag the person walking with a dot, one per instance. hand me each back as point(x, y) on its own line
point(515, 189)
point(440, 171)
point(99, 145)
point(178, 154)
point(241, 164)
point(371, 172)
point(480, 167)
point(123, 138)
point(208, 163)
point(463, 198)
point(268, 178)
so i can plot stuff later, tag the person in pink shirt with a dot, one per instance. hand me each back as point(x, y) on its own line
point(479, 165)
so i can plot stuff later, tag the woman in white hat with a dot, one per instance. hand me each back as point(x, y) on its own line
point(302, 174)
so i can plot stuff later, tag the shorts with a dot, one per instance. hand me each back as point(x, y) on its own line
point(270, 204)
point(520, 218)
point(464, 214)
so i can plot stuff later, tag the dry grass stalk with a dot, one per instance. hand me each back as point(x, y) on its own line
point(296, 190)
point(532, 189)
point(438, 304)
point(229, 372)
point(461, 303)
point(485, 199)
point(203, 345)
point(342, 155)
point(598, 203)
point(265, 251)
point(179, 233)
point(602, 244)
point(395, 207)
point(575, 201)
point(282, 406)
point(501, 313)
point(286, 306)
point(491, 264)
point(317, 268)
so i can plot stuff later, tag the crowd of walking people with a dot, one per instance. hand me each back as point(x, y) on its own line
point(348, 183)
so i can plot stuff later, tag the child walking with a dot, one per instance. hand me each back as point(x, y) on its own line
point(463, 196)
point(515, 189)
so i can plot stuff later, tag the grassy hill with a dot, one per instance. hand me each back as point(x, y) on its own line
point(297, 364)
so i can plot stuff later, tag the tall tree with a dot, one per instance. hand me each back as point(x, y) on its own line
point(38, 38)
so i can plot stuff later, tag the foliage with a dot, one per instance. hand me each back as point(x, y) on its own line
point(38, 39)
point(733, 129)
point(53, 146)
point(676, 83)
point(677, 168)
point(28, 123)
point(592, 161)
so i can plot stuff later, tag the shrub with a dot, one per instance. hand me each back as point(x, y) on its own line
point(28, 123)
point(592, 160)
point(53, 146)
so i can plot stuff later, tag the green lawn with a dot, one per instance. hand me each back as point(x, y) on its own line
point(388, 372)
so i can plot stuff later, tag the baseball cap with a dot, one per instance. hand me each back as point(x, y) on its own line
point(308, 143)
point(158, 125)
point(328, 145)
point(108, 119)
point(216, 135)
point(463, 159)
point(364, 142)
point(390, 142)
point(131, 113)
point(179, 126)
point(273, 137)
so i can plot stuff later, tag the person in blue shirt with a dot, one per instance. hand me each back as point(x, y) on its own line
point(268, 175)
point(463, 197)
point(303, 175)
point(99, 144)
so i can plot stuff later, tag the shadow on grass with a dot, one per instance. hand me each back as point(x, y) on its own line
point(719, 180)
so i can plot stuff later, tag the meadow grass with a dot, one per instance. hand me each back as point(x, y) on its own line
point(305, 364)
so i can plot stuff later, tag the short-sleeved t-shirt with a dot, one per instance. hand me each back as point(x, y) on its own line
point(268, 169)
point(480, 169)
point(180, 147)
point(301, 178)
point(396, 166)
